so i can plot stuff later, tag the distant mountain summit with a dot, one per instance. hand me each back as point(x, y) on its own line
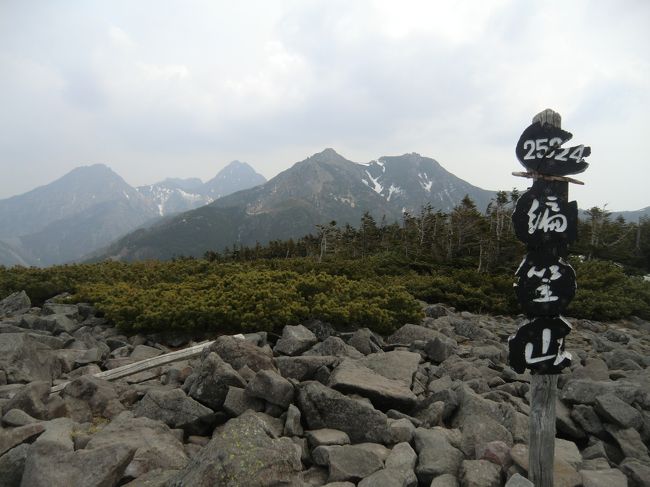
point(77, 191)
point(63, 220)
point(236, 176)
point(177, 195)
point(317, 190)
point(91, 206)
point(409, 180)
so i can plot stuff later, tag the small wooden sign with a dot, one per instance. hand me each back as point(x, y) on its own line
point(543, 217)
point(539, 346)
point(540, 150)
point(545, 285)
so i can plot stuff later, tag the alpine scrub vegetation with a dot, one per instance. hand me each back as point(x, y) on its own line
point(371, 276)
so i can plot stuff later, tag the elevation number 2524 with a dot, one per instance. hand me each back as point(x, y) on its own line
point(545, 148)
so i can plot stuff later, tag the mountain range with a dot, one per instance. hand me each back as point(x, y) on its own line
point(322, 188)
point(91, 206)
point(91, 213)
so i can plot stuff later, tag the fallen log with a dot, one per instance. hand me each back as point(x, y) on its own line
point(150, 363)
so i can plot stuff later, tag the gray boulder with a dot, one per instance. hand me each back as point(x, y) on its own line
point(326, 437)
point(351, 376)
point(305, 367)
point(295, 340)
point(89, 396)
point(323, 407)
point(630, 442)
point(177, 410)
point(25, 359)
point(399, 365)
point(238, 353)
point(47, 465)
point(243, 453)
point(587, 419)
point(292, 424)
point(209, 382)
point(347, 462)
point(17, 417)
point(154, 443)
point(440, 348)
point(15, 304)
point(389, 477)
point(479, 473)
point(237, 402)
point(56, 324)
point(518, 481)
point(31, 399)
point(603, 478)
point(12, 466)
point(436, 455)
point(637, 472)
point(409, 333)
point(272, 387)
point(69, 310)
point(366, 341)
point(10, 438)
point(334, 346)
point(613, 410)
point(585, 391)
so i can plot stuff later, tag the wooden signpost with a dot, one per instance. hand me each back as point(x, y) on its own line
point(546, 222)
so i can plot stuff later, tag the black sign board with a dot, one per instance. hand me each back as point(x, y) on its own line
point(546, 284)
point(543, 217)
point(539, 346)
point(539, 149)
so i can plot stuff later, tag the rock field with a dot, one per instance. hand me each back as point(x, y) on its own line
point(434, 404)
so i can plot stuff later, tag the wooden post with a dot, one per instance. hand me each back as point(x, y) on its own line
point(541, 448)
point(543, 389)
point(547, 222)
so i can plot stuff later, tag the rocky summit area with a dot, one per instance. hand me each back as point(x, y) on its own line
point(433, 404)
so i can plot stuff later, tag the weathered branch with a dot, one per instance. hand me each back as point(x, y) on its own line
point(150, 363)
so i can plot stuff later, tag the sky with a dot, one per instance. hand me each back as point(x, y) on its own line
point(161, 88)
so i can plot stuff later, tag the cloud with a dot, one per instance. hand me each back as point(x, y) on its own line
point(158, 89)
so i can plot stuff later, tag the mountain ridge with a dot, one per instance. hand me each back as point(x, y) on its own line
point(88, 208)
point(321, 188)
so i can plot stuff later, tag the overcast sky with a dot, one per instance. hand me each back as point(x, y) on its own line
point(161, 88)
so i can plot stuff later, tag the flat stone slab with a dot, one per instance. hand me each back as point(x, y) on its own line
point(397, 365)
point(353, 377)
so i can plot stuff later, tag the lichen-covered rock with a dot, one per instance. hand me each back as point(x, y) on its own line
point(243, 454)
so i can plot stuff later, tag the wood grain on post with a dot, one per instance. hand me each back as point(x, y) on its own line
point(541, 448)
